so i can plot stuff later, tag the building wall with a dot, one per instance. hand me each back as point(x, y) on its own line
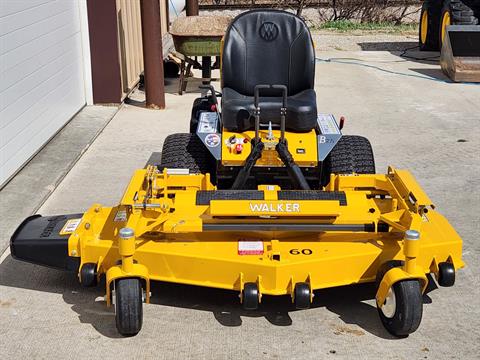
point(130, 41)
point(115, 28)
point(42, 82)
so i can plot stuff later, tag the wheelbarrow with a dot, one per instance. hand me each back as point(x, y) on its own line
point(195, 36)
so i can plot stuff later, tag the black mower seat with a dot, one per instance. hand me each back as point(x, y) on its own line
point(301, 111)
point(268, 47)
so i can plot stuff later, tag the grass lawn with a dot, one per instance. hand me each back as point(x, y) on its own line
point(381, 27)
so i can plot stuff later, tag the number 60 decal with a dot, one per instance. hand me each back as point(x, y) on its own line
point(301, 251)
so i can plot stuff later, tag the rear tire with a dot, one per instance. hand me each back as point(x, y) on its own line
point(128, 306)
point(429, 25)
point(352, 154)
point(186, 151)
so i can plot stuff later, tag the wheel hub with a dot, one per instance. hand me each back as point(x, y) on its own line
point(424, 27)
point(390, 304)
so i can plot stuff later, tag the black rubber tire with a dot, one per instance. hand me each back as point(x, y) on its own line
point(409, 309)
point(352, 154)
point(302, 296)
point(186, 151)
point(88, 275)
point(128, 306)
point(250, 299)
point(446, 274)
point(433, 8)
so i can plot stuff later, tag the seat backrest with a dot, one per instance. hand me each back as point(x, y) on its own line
point(268, 47)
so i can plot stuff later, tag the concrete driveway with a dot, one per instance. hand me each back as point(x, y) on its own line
point(414, 120)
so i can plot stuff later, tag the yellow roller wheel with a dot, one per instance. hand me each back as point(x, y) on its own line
point(424, 27)
point(446, 21)
point(428, 31)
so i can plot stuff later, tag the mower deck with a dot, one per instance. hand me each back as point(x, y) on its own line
point(188, 232)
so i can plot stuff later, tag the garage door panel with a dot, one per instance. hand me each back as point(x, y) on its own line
point(51, 92)
point(44, 126)
point(27, 88)
point(31, 49)
point(11, 7)
point(25, 35)
point(42, 83)
point(28, 67)
point(57, 120)
point(30, 16)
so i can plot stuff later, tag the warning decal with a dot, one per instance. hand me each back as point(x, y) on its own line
point(248, 247)
point(70, 226)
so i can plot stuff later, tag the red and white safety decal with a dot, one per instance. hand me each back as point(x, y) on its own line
point(250, 247)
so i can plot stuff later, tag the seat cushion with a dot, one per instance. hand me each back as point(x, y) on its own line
point(268, 47)
point(237, 111)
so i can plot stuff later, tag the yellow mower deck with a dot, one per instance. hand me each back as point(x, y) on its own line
point(188, 232)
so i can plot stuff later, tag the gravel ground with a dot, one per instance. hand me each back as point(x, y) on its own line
point(360, 40)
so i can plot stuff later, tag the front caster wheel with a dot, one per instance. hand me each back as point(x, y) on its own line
point(88, 274)
point(401, 313)
point(302, 296)
point(250, 298)
point(446, 274)
point(128, 306)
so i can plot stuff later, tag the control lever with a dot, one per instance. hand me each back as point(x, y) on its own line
point(293, 169)
point(256, 113)
point(283, 110)
point(257, 144)
point(244, 173)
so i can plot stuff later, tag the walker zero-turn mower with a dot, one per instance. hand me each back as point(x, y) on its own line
point(266, 198)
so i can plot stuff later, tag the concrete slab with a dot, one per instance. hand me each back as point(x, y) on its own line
point(28, 190)
point(414, 121)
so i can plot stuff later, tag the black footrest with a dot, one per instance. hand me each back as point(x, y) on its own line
point(205, 196)
point(313, 195)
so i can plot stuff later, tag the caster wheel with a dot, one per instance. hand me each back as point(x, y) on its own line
point(88, 275)
point(302, 296)
point(250, 296)
point(446, 274)
point(401, 313)
point(128, 306)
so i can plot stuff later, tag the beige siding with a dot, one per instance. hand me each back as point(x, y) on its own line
point(130, 40)
point(163, 16)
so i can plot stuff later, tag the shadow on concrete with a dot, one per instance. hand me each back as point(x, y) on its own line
point(347, 301)
point(435, 73)
point(154, 159)
point(406, 50)
point(387, 45)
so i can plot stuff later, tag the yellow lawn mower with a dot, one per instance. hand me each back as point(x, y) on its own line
point(265, 197)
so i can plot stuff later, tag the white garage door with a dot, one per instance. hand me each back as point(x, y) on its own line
point(41, 75)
